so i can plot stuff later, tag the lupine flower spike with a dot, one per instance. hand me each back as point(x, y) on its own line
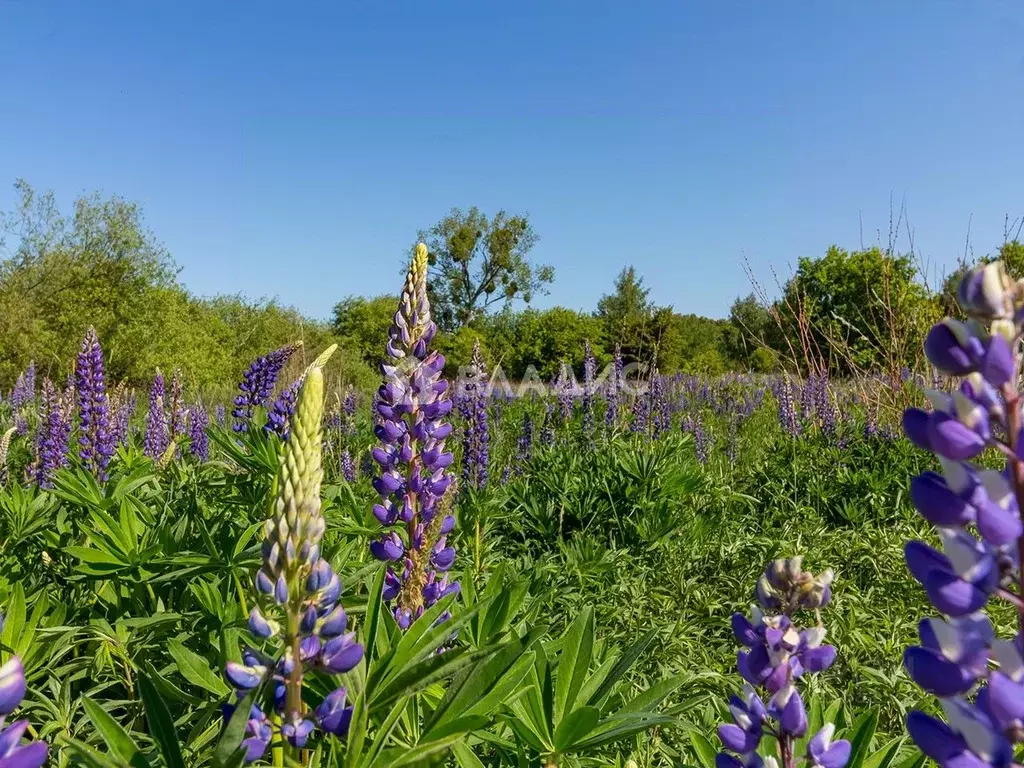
point(299, 614)
point(779, 654)
point(96, 439)
point(52, 438)
point(414, 484)
point(978, 677)
point(157, 439)
point(258, 384)
point(476, 435)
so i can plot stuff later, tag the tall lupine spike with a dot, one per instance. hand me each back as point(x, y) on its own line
point(589, 374)
point(347, 413)
point(13, 752)
point(524, 444)
point(24, 391)
point(122, 406)
point(177, 413)
point(258, 384)
point(476, 435)
point(96, 443)
point(299, 593)
point(978, 677)
point(613, 389)
point(414, 484)
point(778, 654)
point(53, 435)
point(157, 439)
point(198, 439)
point(281, 411)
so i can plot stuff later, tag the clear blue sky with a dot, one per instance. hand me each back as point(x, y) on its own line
point(294, 149)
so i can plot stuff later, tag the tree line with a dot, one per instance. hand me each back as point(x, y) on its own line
point(842, 312)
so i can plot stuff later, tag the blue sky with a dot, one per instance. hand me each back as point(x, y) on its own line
point(294, 150)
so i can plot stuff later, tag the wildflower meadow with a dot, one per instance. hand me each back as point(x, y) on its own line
point(628, 568)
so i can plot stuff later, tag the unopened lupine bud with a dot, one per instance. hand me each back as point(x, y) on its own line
point(988, 293)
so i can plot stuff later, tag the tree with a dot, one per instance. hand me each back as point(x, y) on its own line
point(364, 324)
point(855, 310)
point(60, 275)
point(750, 331)
point(479, 262)
point(630, 319)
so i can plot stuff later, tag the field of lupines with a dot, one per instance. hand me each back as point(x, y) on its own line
point(450, 573)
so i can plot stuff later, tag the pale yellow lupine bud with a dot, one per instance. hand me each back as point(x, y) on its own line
point(297, 524)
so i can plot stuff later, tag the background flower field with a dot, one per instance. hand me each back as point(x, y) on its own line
point(605, 511)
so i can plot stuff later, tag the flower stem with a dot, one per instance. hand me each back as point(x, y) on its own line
point(786, 751)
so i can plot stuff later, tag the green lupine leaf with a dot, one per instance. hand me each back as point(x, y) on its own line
point(161, 725)
point(196, 669)
point(577, 646)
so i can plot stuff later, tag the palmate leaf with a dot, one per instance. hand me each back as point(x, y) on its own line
point(622, 726)
point(622, 666)
point(195, 669)
point(705, 751)
point(575, 726)
point(417, 677)
point(861, 733)
point(117, 739)
point(415, 755)
point(90, 757)
point(885, 755)
point(488, 683)
point(161, 724)
point(577, 648)
point(381, 735)
point(421, 640)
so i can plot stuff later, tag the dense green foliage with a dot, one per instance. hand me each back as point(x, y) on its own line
point(844, 312)
point(636, 539)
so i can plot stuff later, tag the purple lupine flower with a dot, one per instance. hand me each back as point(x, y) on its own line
point(298, 614)
point(348, 409)
point(414, 484)
point(979, 523)
point(564, 387)
point(258, 384)
point(701, 441)
point(613, 390)
point(524, 444)
point(13, 752)
point(220, 413)
point(52, 438)
point(348, 466)
point(24, 391)
point(547, 430)
point(177, 413)
point(281, 411)
point(779, 654)
point(732, 445)
point(157, 440)
point(589, 374)
point(198, 439)
point(96, 440)
point(475, 434)
point(788, 418)
point(122, 408)
point(658, 409)
point(641, 412)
